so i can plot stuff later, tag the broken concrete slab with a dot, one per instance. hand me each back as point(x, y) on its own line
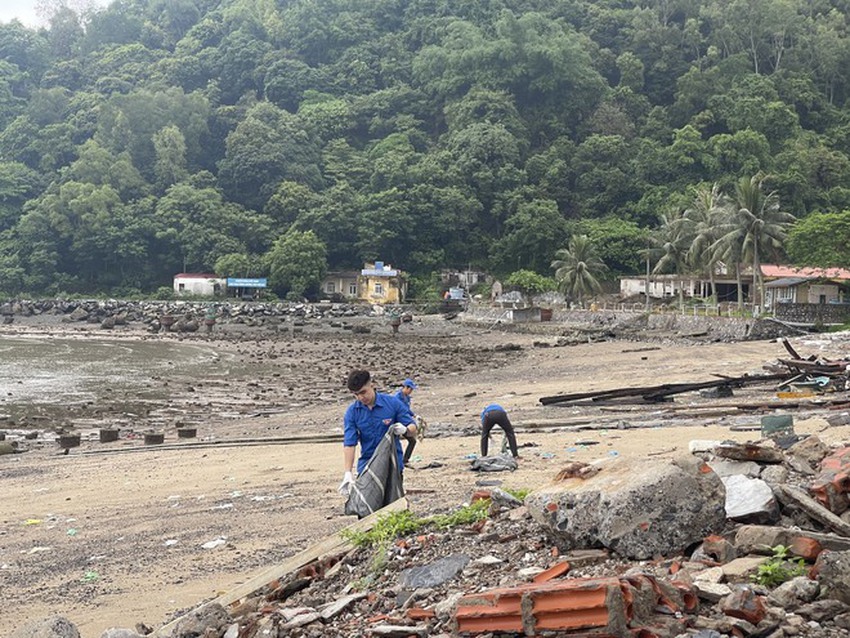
point(833, 570)
point(725, 467)
point(791, 595)
point(333, 609)
point(750, 500)
point(748, 452)
point(627, 507)
point(711, 592)
point(740, 569)
point(434, 574)
point(760, 539)
point(198, 621)
point(50, 627)
point(811, 449)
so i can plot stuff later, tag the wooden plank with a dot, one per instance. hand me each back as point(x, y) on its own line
point(328, 546)
point(814, 509)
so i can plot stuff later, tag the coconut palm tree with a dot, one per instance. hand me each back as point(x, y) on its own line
point(672, 247)
point(754, 226)
point(700, 223)
point(578, 268)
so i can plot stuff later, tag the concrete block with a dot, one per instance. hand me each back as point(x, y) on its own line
point(627, 507)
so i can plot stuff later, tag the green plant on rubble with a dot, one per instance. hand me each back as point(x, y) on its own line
point(779, 568)
point(466, 515)
point(386, 529)
point(391, 526)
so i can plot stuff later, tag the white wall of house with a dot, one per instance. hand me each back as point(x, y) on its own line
point(205, 286)
point(660, 286)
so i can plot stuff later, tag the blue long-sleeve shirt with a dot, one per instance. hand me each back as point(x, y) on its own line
point(368, 426)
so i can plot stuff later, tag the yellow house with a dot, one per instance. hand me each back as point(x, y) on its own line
point(382, 284)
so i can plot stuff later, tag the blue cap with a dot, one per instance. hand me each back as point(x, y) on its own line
point(409, 384)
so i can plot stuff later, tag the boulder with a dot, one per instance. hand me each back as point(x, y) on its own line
point(629, 507)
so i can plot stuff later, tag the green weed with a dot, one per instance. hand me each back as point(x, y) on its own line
point(779, 568)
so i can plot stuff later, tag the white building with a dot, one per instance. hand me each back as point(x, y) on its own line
point(200, 284)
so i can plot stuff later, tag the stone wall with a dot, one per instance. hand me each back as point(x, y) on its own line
point(626, 324)
point(813, 314)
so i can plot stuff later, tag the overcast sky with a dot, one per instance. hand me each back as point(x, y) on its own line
point(24, 10)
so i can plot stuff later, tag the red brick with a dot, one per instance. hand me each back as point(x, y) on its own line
point(419, 613)
point(832, 485)
point(558, 569)
point(806, 548)
point(746, 605)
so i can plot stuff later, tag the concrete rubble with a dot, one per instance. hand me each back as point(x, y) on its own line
point(654, 549)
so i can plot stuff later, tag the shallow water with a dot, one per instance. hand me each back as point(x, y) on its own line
point(48, 370)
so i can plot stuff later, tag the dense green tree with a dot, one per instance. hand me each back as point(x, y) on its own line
point(529, 282)
point(821, 240)
point(297, 263)
point(432, 135)
point(239, 265)
point(266, 148)
point(531, 236)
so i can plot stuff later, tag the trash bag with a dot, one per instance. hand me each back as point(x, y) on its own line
point(498, 463)
point(380, 483)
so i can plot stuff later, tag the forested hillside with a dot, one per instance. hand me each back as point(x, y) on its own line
point(159, 136)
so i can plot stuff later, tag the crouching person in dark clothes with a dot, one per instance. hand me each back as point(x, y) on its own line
point(495, 414)
point(367, 421)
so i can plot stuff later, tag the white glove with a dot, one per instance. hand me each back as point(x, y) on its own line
point(345, 487)
point(399, 429)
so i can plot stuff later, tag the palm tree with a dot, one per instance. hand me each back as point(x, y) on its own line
point(755, 226)
point(700, 224)
point(578, 268)
point(673, 245)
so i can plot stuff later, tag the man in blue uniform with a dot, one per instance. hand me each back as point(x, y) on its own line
point(366, 422)
point(494, 414)
point(403, 395)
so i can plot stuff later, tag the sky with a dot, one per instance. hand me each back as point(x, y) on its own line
point(24, 10)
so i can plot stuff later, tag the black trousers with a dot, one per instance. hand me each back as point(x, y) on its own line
point(408, 451)
point(500, 418)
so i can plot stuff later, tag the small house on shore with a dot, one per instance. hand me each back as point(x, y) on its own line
point(200, 284)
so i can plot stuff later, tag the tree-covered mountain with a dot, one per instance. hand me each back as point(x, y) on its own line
point(158, 136)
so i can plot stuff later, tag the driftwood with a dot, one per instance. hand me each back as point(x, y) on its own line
point(657, 393)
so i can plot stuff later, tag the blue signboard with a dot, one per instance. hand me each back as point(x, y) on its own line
point(235, 282)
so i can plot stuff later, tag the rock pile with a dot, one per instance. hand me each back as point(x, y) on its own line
point(110, 313)
point(744, 540)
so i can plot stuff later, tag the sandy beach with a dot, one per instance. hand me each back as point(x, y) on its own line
point(122, 533)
